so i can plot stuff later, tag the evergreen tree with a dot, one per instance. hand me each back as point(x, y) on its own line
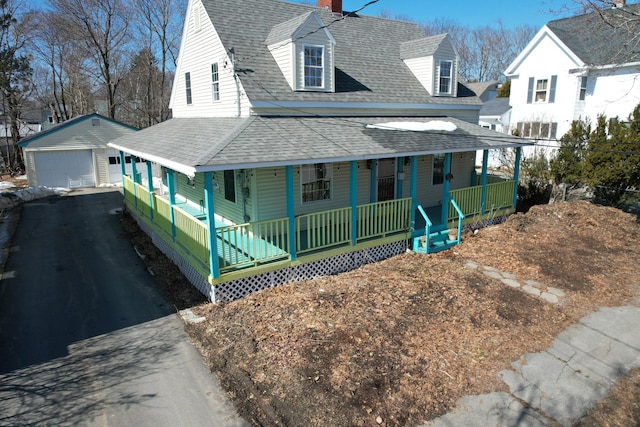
point(15, 79)
point(567, 165)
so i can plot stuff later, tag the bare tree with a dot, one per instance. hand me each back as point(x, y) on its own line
point(159, 25)
point(102, 26)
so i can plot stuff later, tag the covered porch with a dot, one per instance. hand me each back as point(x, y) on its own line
point(222, 252)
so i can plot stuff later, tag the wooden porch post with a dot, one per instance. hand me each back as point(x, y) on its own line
point(446, 184)
point(353, 200)
point(373, 187)
point(516, 176)
point(214, 267)
point(171, 186)
point(150, 188)
point(485, 163)
point(400, 181)
point(413, 189)
point(291, 212)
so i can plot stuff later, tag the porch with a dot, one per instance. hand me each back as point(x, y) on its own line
point(244, 250)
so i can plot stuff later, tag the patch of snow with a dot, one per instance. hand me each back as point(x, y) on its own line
point(14, 198)
point(6, 185)
point(435, 125)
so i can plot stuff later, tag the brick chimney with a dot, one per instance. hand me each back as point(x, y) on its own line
point(620, 3)
point(334, 5)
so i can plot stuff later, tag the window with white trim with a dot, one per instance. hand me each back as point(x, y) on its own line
point(541, 90)
point(583, 88)
point(187, 86)
point(446, 77)
point(315, 180)
point(215, 82)
point(313, 66)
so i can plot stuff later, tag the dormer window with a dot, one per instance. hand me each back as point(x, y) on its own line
point(313, 66)
point(446, 77)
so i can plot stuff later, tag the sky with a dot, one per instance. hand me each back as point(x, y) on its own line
point(471, 13)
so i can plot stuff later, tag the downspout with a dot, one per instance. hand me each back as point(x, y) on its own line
point(485, 163)
point(516, 176)
point(237, 80)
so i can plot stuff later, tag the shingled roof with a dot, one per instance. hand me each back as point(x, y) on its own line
point(368, 62)
point(605, 38)
point(262, 141)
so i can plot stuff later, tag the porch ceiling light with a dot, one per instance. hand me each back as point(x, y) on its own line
point(435, 125)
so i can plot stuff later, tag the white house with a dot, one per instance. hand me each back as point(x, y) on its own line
point(576, 68)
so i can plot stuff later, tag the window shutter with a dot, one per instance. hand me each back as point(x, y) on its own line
point(552, 90)
point(530, 93)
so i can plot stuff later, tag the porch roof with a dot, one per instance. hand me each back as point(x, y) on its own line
point(191, 145)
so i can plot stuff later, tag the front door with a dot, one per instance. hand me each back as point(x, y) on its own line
point(386, 179)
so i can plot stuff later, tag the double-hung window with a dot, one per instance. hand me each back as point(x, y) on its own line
point(541, 90)
point(313, 66)
point(446, 77)
point(215, 82)
point(187, 86)
point(316, 182)
point(583, 88)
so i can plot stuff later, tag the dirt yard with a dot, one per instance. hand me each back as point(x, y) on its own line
point(398, 342)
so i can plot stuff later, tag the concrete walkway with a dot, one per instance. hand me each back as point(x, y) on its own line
point(559, 385)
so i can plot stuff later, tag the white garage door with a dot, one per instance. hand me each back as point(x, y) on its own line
point(69, 169)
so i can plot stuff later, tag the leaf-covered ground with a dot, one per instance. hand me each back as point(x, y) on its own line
point(399, 341)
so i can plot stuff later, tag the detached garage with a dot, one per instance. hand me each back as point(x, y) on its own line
point(74, 154)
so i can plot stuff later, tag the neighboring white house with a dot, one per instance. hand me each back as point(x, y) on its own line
point(74, 153)
point(576, 68)
point(496, 115)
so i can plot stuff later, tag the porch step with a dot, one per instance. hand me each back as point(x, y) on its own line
point(437, 242)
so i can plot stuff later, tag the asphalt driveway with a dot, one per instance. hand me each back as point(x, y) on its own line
point(85, 336)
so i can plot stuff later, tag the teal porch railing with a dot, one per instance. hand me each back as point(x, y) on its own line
point(256, 243)
point(499, 196)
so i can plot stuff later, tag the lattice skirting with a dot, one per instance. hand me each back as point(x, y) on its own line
point(228, 291)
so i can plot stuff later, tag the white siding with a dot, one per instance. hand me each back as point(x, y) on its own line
point(284, 54)
point(101, 165)
point(199, 50)
point(545, 60)
point(423, 69)
point(612, 93)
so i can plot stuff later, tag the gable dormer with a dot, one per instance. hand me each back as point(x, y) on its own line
point(434, 62)
point(303, 49)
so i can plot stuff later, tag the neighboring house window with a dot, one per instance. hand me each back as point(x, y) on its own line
point(542, 90)
point(230, 185)
point(316, 182)
point(50, 119)
point(313, 66)
point(446, 77)
point(537, 130)
point(187, 85)
point(438, 169)
point(583, 88)
point(215, 82)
